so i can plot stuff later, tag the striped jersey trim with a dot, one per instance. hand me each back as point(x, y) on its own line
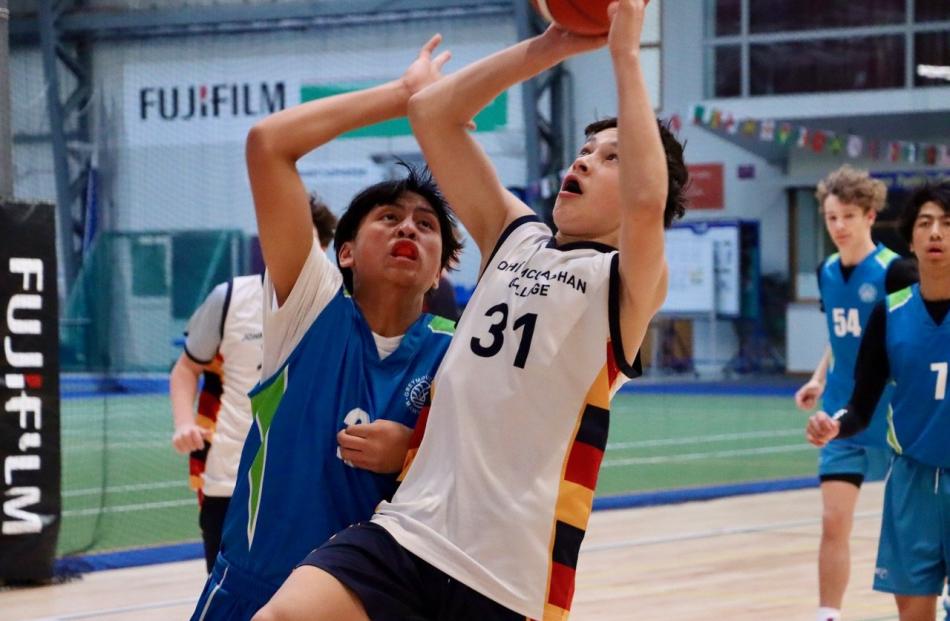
point(885, 256)
point(209, 405)
point(899, 298)
point(576, 492)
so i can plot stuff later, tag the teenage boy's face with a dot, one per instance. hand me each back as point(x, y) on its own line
point(588, 205)
point(930, 240)
point(847, 223)
point(398, 244)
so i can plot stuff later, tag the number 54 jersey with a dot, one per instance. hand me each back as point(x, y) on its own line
point(500, 491)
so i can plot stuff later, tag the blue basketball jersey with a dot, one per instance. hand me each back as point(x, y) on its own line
point(918, 351)
point(848, 304)
point(293, 491)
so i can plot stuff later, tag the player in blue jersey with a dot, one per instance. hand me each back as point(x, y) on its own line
point(348, 354)
point(907, 341)
point(851, 282)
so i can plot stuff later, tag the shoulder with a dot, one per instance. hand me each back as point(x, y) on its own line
point(898, 299)
point(527, 229)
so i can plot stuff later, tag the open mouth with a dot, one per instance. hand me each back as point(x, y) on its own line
point(406, 250)
point(571, 185)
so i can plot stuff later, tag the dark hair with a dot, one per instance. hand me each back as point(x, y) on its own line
point(387, 193)
point(323, 220)
point(677, 173)
point(931, 193)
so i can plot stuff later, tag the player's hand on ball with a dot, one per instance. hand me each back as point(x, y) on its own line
point(807, 396)
point(626, 24)
point(379, 446)
point(425, 69)
point(821, 429)
point(190, 437)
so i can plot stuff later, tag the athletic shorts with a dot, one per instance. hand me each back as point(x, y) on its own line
point(231, 594)
point(395, 585)
point(914, 550)
point(840, 458)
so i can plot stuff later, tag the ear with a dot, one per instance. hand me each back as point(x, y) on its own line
point(872, 216)
point(345, 256)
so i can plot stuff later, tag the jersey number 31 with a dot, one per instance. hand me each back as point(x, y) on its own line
point(496, 334)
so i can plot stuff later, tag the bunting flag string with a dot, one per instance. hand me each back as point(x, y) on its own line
point(818, 140)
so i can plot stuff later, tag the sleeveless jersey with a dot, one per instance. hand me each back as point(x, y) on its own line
point(918, 352)
point(848, 304)
point(223, 405)
point(293, 491)
point(500, 491)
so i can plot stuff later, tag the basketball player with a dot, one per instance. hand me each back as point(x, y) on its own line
point(851, 282)
point(223, 343)
point(489, 519)
point(907, 341)
point(348, 355)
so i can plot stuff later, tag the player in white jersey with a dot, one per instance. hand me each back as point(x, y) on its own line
point(223, 343)
point(489, 519)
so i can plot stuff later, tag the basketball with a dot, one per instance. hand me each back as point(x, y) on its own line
point(585, 17)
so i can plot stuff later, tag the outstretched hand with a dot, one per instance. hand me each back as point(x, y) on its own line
point(425, 69)
point(626, 26)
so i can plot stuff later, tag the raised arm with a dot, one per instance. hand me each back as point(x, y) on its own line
point(439, 115)
point(276, 143)
point(643, 180)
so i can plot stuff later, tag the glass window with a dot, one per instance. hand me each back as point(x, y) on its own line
point(728, 71)
point(932, 59)
point(789, 15)
point(856, 63)
point(931, 10)
point(728, 17)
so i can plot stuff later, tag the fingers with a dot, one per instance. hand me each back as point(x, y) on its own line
point(612, 9)
point(431, 44)
point(190, 439)
point(441, 59)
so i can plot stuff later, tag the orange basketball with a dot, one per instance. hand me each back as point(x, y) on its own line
point(586, 17)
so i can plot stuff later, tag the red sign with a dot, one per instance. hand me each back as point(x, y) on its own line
point(705, 186)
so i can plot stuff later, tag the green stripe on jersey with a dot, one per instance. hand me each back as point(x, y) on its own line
point(441, 325)
point(264, 406)
point(899, 298)
point(886, 256)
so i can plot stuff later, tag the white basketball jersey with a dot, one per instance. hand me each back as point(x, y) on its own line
point(239, 357)
point(500, 491)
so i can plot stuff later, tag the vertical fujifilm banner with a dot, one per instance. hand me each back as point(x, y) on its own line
point(29, 392)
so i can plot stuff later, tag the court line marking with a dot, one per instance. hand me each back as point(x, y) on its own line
point(88, 491)
point(750, 435)
point(93, 614)
point(666, 459)
point(166, 504)
point(713, 533)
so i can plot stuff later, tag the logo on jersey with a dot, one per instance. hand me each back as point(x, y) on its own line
point(867, 293)
point(417, 393)
point(881, 572)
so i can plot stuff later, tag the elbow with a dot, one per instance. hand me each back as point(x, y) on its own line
point(259, 144)
point(421, 108)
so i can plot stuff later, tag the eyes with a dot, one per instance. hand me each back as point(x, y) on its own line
point(611, 156)
point(423, 220)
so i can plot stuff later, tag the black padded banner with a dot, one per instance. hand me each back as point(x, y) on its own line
point(30, 502)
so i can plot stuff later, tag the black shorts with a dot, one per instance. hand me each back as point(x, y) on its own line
point(396, 585)
point(211, 520)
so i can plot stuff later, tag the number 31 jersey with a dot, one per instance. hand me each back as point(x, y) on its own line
point(500, 491)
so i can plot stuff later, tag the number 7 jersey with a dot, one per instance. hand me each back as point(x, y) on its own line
point(500, 491)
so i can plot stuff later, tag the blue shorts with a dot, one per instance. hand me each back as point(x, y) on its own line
point(914, 551)
point(231, 594)
point(396, 585)
point(843, 459)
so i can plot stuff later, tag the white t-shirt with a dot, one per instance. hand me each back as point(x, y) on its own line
point(499, 494)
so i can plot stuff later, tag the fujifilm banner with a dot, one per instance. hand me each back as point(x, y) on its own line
point(29, 391)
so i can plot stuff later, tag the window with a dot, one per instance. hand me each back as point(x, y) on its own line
point(796, 15)
point(931, 10)
point(857, 63)
point(728, 71)
point(727, 18)
point(932, 58)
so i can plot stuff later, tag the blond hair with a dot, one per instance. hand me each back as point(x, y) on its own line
point(854, 187)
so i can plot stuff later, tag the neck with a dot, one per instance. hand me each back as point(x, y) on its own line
point(612, 240)
point(934, 281)
point(852, 255)
point(389, 311)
